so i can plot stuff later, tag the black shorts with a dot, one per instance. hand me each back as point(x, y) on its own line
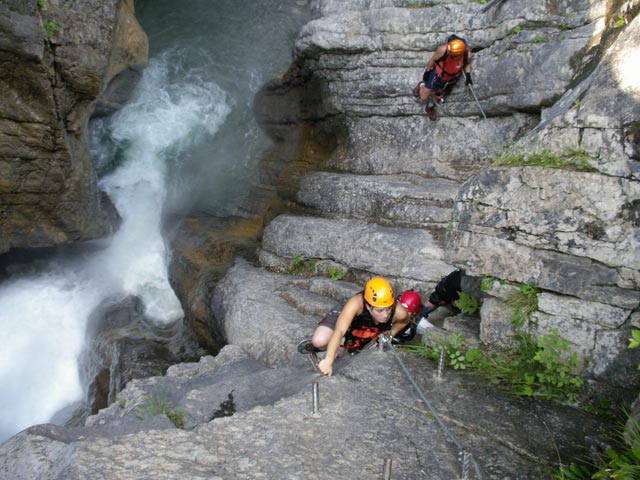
point(330, 319)
point(447, 289)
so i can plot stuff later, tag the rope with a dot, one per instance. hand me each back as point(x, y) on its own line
point(445, 429)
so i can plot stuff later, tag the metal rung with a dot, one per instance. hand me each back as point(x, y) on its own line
point(386, 469)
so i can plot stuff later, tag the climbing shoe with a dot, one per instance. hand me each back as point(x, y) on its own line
point(306, 347)
point(416, 90)
point(431, 112)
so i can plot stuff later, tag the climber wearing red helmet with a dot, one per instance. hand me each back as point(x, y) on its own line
point(413, 303)
point(442, 71)
point(362, 319)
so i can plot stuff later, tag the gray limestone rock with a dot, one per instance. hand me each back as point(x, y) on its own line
point(50, 82)
point(404, 200)
point(360, 245)
point(549, 75)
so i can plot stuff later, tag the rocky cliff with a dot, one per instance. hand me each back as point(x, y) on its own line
point(359, 180)
point(535, 183)
point(62, 62)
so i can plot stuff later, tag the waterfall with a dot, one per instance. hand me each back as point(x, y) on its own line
point(185, 141)
point(163, 120)
point(44, 316)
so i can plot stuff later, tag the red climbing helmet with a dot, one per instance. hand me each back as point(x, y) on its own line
point(411, 301)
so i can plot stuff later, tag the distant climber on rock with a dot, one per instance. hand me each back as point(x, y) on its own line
point(442, 72)
point(365, 315)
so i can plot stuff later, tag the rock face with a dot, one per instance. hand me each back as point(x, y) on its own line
point(203, 249)
point(240, 419)
point(412, 199)
point(58, 61)
point(367, 185)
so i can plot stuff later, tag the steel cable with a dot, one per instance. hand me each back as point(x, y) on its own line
point(426, 402)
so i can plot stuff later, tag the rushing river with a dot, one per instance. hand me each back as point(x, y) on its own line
point(186, 141)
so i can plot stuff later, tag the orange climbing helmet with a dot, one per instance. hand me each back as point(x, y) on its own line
point(456, 47)
point(378, 293)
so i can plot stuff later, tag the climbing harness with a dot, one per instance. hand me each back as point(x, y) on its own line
point(448, 69)
point(465, 457)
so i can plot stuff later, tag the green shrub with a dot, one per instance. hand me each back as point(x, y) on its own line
point(523, 302)
point(620, 22)
point(50, 28)
point(620, 462)
point(456, 355)
point(634, 341)
point(554, 377)
point(572, 472)
point(571, 159)
point(486, 284)
point(579, 159)
point(335, 274)
point(302, 266)
point(42, 5)
point(515, 30)
point(534, 367)
point(154, 405)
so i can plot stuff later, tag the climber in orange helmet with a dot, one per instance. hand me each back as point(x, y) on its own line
point(442, 72)
point(362, 319)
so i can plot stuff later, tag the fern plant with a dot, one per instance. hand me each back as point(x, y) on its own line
point(467, 303)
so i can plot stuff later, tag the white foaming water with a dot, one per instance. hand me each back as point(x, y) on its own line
point(42, 322)
point(43, 318)
point(163, 119)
